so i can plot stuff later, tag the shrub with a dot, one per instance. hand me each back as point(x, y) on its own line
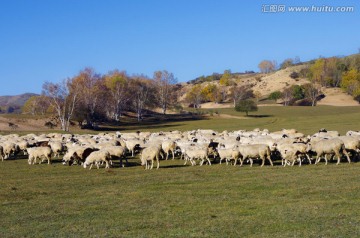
point(246, 106)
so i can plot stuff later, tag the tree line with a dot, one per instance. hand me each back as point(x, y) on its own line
point(90, 97)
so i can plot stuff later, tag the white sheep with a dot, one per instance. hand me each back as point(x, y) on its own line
point(228, 154)
point(168, 146)
point(149, 154)
point(328, 147)
point(77, 154)
point(8, 149)
point(42, 152)
point(117, 152)
point(132, 144)
point(195, 152)
point(254, 151)
point(97, 157)
point(57, 148)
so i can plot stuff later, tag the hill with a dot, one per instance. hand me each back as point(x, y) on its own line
point(13, 103)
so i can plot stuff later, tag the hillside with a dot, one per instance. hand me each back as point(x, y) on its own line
point(15, 102)
point(264, 84)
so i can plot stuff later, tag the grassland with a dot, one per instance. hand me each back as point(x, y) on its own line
point(184, 201)
point(179, 201)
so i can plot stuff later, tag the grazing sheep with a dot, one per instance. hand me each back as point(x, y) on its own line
point(254, 151)
point(117, 152)
point(168, 146)
point(150, 154)
point(328, 146)
point(42, 152)
point(132, 144)
point(22, 145)
point(77, 155)
point(97, 157)
point(56, 147)
point(8, 149)
point(352, 144)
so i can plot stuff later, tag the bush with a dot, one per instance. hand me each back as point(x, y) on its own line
point(294, 75)
point(246, 106)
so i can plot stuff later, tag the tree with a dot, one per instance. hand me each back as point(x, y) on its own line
point(239, 93)
point(164, 82)
point(211, 93)
point(118, 85)
point(36, 105)
point(225, 78)
point(63, 97)
point(287, 63)
point(298, 92)
point(246, 106)
point(287, 96)
point(267, 66)
point(195, 96)
point(144, 94)
point(91, 89)
point(275, 95)
point(351, 82)
point(312, 92)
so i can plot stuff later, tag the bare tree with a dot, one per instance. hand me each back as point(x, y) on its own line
point(143, 92)
point(164, 82)
point(312, 92)
point(287, 96)
point(238, 93)
point(118, 84)
point(63, 97)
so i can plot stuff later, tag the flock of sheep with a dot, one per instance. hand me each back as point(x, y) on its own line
point(203, 146)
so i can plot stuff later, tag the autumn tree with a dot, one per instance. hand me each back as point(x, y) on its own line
point(117, 83)
point(287, 96)
point(325, 71)
point(225, 78)
point(195, 96)
point(36, 105)
point(242, 92)
point(351, 82)
point(143, 93)
point(211, 93)
point(63, 97)
point(267, 66)
point(246, 106)
point(91, 90)
point(164, 82)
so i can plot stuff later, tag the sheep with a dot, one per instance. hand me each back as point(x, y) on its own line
point(168, 146)
point(328, 146)
point(117, 152)
point(22, 145)
point(150, 154)
point(290, 156)
point(97, 157)
point(132, 144)
point(228, 154)
point(77, 154)
point(254, 151)
point(197, 153)
point(8, 149)
point(56, 147)
point(39, 152)
point(352, 144)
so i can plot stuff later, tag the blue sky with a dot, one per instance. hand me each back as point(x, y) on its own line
point(42, 40)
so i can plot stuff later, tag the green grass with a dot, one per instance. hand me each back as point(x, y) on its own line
point(179, 201)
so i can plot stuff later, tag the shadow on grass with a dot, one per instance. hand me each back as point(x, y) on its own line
point(259, 116)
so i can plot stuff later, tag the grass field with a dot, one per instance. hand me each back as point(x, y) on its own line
point(179, 201)
point(184, 201)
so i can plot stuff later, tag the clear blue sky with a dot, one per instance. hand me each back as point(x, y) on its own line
point(50, 40)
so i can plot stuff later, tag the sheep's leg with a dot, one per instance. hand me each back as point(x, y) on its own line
point(347, 155)
point(263, 161)
point(284, 163)
point(173, 154)
point(152, 164)
point(325, 160)
point(251, 162)
point(308, 157)
point(90, 166)
point(299, 162)
point(208, 160)
point(132, 153)
point(167, 155)
point(158, 163)
point(271, 163)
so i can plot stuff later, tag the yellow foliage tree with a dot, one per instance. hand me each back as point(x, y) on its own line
point(225, 78)
point(351, 82)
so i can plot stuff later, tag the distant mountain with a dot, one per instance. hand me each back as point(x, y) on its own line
point(14, 102)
